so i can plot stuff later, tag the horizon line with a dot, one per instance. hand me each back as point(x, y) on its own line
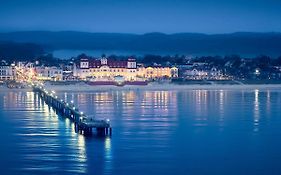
point(129, 33)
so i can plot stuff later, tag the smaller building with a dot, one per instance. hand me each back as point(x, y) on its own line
point(49, 73)
point(157, 72)
point(25, 71)
point(198, 73)
point(7, 72)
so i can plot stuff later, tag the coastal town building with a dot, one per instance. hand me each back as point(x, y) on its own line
point(25, 65)
point(29, 70)
point(157, 72)
point(199, 73)
point(106, 69)
point(7, 72)
point(49, 73)
point(25, 70)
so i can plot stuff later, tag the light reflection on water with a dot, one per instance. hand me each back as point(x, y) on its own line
point(256, 111)
point(154, 132)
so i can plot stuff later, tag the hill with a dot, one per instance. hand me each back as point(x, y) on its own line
point(19, 51)
point(188, 43)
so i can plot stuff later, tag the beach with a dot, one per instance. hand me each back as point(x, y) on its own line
point(153, 87)
point(164, 87)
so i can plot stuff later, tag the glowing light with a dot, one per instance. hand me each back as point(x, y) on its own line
point(81, 113)
point(257, 71)
point(71, 101)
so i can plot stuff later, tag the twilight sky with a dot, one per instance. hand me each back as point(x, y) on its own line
point(141, 16)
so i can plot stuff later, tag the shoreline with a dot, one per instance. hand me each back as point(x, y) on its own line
point(164, 87)
point(81, 87)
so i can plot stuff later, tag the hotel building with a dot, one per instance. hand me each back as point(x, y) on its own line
point(105, 69)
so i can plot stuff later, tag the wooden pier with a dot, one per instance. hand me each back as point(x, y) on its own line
point(82, 123)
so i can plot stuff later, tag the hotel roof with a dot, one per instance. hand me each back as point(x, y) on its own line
point(97, 63)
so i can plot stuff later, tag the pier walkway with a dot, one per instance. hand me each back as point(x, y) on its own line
point(83, 124)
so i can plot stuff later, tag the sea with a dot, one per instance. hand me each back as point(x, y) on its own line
point(165, 132)
point(67, 53)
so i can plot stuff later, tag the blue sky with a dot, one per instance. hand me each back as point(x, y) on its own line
point(141, 16)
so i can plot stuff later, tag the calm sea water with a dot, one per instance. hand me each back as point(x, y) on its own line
point(66, 54)
point(154, 132)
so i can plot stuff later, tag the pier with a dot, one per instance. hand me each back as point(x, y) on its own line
point(83, 124)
